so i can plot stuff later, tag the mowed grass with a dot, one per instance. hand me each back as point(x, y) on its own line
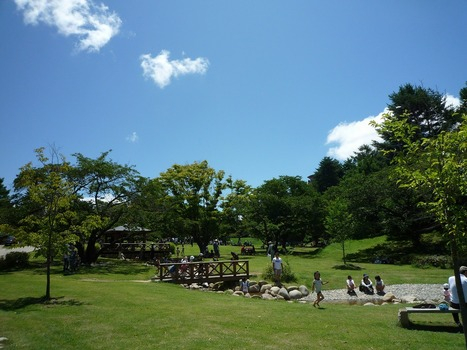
point(113, 306)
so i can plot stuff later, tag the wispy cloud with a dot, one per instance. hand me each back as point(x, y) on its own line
point(133, 137)
point(350, 136)
point(161, 70)
point(93, 24)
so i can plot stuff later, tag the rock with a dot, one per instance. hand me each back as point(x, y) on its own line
point(388, 297)
point(254, 288)
point(283, 293)
point(267, 296)
point(265, 287)
point(304, 290)
point(274, 290)
point(295, 294)
point(410, 299)
point(291, 288)
point(237, 294)
point(369, 304)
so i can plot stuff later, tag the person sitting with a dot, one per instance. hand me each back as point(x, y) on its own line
point(366, 286)
point(351, 286)
point(379, 285)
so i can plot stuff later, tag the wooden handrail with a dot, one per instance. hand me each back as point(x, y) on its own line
point(204, 271)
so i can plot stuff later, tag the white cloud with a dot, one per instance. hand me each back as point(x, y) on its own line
point(93, 24)
point(161, 70)
point(350, 136)
point(452, 101)
point(133, 137)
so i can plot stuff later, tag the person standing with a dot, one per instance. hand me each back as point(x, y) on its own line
point(215, 245)
point(277, 268)
point(455, 296)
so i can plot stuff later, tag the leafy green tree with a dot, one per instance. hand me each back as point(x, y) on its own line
point(106, 190)
point(437, 165)
point(284, 210)
point(421, 107)
point(193, 195)
point(234, 208)
point(338, 223)
point(6, 206)
point(47, 227)
point(328, 174)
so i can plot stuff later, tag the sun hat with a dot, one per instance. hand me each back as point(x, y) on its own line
point(463, 269)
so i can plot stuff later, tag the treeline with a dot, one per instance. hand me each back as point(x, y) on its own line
point(56, 201)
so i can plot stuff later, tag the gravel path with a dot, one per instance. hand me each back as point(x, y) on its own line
point(407, 292)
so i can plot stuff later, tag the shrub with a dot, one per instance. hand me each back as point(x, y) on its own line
point(287, 274)
point(440, 261)
point(14, 260)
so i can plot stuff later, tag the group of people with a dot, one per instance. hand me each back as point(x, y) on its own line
point(366, 285)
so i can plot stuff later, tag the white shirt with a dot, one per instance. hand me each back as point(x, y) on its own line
point(277, 263)
point(453, 287)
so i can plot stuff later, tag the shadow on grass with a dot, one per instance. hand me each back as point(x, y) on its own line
point(389, 252)
point(433, 328)
point(21, 303)
point(351, 267)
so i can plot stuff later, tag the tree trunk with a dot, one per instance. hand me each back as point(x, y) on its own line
point(49, 261)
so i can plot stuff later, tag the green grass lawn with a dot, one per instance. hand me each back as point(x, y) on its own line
point(112, 307)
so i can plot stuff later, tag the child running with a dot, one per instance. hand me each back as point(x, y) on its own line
point(317, 284)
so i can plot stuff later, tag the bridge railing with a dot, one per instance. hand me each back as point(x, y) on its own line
point(204, 271)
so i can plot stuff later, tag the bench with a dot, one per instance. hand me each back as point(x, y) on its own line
point(404, 313)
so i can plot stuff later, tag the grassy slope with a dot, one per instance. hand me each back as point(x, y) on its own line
point(104, 308)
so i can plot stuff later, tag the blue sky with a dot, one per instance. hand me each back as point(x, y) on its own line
point(259, 89)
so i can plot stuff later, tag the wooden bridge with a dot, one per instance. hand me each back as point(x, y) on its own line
point(199, 272)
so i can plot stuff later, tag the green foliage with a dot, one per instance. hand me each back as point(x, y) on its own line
point(441, 261)
point(14, 260)
point(287, 275)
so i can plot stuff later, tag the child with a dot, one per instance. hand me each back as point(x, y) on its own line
point(244, 285)
point(379, 285)
point(447, 293)
point(351, 286)
point(317, 284)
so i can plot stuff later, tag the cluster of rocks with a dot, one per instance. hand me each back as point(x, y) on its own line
point(402, 293)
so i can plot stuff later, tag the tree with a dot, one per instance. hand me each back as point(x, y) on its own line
point(5, 206)
point(338, 223)
point(421, 107)
point(193, 195)
point(437, 165)
point(106, 190)
point(47, 227)
point(284, 210)
point(328, 174)
point(234, 208)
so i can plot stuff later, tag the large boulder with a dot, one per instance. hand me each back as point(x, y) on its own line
point(291, 288)
point(265, 288)
point(274, 290)
point(304, 290)
point(283, 293)
point(295, 294)
point(389, 297)
point(267, 296)
point(254, 288)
